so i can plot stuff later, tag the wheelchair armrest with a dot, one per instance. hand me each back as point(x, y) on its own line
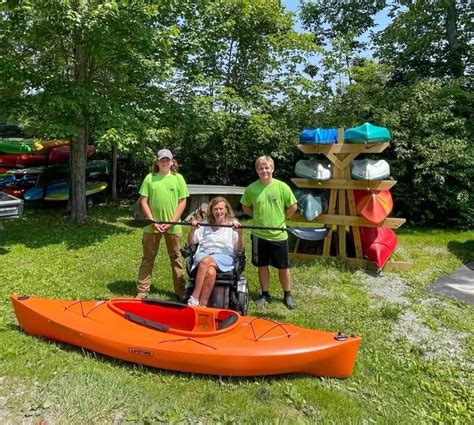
point(188, 250)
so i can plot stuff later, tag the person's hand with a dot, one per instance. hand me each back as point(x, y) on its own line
point(164, 227)
point(195, 224)
point(237, 226)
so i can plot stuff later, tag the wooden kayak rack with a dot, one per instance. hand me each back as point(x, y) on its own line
point(342, 213)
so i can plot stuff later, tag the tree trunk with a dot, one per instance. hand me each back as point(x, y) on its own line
point(455, 60)
point(79, 146)
point(114, 172)
point(78, 173)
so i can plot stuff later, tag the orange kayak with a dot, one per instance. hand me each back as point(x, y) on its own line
point(174, 336)
point(374, 205)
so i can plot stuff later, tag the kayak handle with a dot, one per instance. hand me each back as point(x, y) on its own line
point(149, 323)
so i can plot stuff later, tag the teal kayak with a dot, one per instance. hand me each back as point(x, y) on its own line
point(367, 133)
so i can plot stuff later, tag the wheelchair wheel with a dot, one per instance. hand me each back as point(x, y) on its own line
point(242, 303)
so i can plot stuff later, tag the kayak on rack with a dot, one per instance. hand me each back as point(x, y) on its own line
point(314, 169)
point(44, 146)
point(177, 337)
point(61, 193)
point(16, 146)
point(318, 136)
point(367, 133)
point(311, 203)
point(61, 153)
point(370, 169)
point(374, 205)
point(21, 160)
point(378, 244)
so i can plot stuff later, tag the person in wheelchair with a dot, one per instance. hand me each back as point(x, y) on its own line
point(217, 247)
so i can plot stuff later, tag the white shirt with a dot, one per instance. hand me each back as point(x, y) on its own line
point(220, 240)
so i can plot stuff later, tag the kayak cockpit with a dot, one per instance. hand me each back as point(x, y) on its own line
point(168, 316)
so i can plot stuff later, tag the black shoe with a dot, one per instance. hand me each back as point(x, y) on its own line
point(262, 300)
point(289, 302)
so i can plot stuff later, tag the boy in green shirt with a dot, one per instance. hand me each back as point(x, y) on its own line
point(163, 196)
point(270, 202)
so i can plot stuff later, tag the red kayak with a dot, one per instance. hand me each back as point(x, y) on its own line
point(16, 191)
point(21, 160)
point(378, 244)
point(374, 205)
point(61, 153)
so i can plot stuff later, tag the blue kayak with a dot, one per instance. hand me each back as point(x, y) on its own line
point(322, 136)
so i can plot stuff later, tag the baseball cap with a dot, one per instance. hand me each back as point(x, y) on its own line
point(164, 153)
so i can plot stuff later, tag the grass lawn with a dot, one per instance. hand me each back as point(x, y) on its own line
point(415, 363)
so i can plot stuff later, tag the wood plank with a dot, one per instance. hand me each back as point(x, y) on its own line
point(353, 262)
point(341, 229)
point(344, 184)
point(343, 148)
point(347, 220)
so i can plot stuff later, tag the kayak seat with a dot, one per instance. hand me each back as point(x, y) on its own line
point(231, 288)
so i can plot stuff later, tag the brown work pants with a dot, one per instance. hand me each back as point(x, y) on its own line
point(151, 244)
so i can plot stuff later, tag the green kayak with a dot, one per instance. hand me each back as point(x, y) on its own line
point(16, 146)
point(61, 193)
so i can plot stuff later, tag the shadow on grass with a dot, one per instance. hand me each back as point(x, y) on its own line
point(39, 227)
point(129, 288)
point(463, 250)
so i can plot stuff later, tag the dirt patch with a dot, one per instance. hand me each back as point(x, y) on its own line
point(387, 287)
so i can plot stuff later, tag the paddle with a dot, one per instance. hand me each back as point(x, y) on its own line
point(306, 233)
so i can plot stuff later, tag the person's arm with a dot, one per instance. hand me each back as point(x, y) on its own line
point(145, 208)
point(239, 243)
point(291, 210)
point(248, 210)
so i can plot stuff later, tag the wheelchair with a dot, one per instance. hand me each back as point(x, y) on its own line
point(231, 288)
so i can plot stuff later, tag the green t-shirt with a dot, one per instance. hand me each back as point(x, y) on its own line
point(269, 203)
point(163, 193)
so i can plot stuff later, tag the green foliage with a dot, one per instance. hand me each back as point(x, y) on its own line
point(427, 39)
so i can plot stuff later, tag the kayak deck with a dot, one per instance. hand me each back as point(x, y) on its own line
point(189, 339)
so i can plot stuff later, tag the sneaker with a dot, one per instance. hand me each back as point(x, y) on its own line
point(289, 302)
point(262, 300)
point(193, 302)
point(141, 295)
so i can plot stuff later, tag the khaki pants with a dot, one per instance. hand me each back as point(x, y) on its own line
point(151, 244)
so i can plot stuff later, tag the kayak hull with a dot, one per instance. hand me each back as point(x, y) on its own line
point(367, 133)
point(374, 205)
point(314, 169)
point(191, 339)
point(378, 244)
point(370, 169)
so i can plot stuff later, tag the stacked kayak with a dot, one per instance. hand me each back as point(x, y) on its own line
point(177, 337)
point(61, 153)
point(314, 169)
point(378, 244)
point(60, 191)
point(16, 146)
point(374, 205)
point(21, 160)
point(370, 169)
point(322, 136)
point(367, 133)
point(311, 203)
